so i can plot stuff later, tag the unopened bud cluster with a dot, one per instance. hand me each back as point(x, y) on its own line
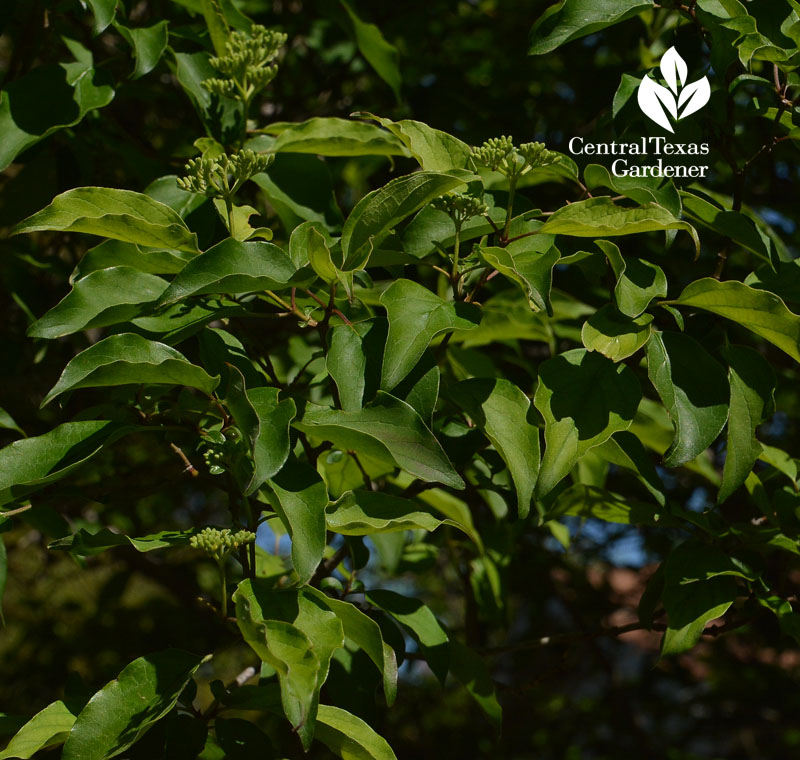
point(460, 207)
point(247, 63)
point(500, 155)
point(218, 544)
point(222, 176)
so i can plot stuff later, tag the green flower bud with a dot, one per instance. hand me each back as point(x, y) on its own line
point(222, 176)
point(460, 207)
point(218, 544)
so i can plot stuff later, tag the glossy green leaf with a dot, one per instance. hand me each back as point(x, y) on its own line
point(329, 136)
point(381, 210)
point(130, 359)
point(104, 297)
point(350, 361)
point(759, 311)
point(529, 264)
point(32, 463)
point(624, 449)
point(640, 189)
point(436, 151)
point(148, 43)
point(265, 423)
point(310, 243)
point(569, 20)
point(104, 13)
point(115, 253)
point(752, 383)
point(45, 100)
point(296, 634)
point(503, 412)
point(421, 623)
point(614, 335)
point(380, 54)
point(363, 513)
point(48, 728)
point(301, 500)
point(584, 398)
point(118, 715)
point(363, 631)
point(232, 267)
point(596, 217)
point(638, 281)
point(730, 224)
point(694, 389)
point(690, 607)
point(349, 737)
point(387, 429)
point(86, 544)
point(217, 25)
point(416, 316)
point(118, 214)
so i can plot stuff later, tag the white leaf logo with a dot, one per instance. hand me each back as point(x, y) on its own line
point(679, 100)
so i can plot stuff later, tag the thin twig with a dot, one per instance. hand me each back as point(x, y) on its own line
point(189, 467)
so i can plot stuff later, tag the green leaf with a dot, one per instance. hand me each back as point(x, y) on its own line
point(115, 253)
point(104, 13)
point(624, 449)
point(759, 311)
point(638, 281)
point(217, 25)
point(45, 100)
point(117, 214)
point(690, 607)
point(31, 463)
point(48, 728)
point(104, 297)
point(300, 189)
point(694, 389)
point(86, 544)
point(130, 359)
point(471, 670)
point(640, 189)
point(349, 361)
point(296, 634)
point(436, 151)
point(614, 335)
point(752, 381)
point(387, 429)
point(3, 571)
point(363, 631)
point(334, 137)
point(416, 316)
point(584, 398)
point(363, 513)
point(503, 412)
point(569, 20)
point(380, 54)
point(148, 43)
point(7, 422)
point(597, 217)
point(232, 267)
point(421, 623)
point(121, 713)
point(349, 737)
point(590, 501)
point(265, 422)
point(301, 500)
point(382, 210)
point(730, 224)
point(310, 243)
point(529, 264)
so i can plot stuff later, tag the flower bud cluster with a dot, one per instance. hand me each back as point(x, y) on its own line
point(460, 207)
point(218, 544)
point(247, 64)
point(222, 176)
point(500, 155)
